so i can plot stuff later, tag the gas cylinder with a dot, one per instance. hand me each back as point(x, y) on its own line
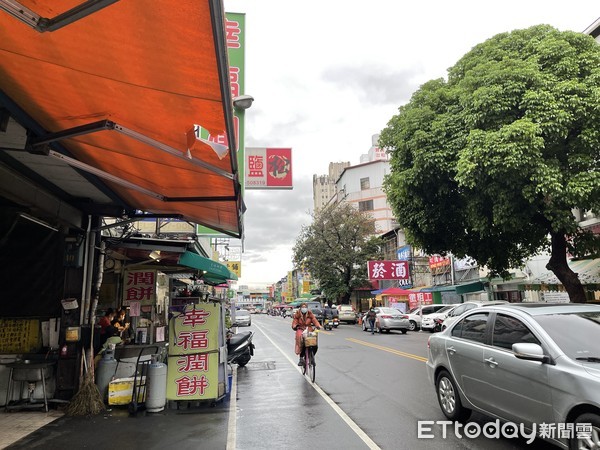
point(156, 386)
point(105, 372)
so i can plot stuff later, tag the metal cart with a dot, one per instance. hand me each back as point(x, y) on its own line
point(138, 395)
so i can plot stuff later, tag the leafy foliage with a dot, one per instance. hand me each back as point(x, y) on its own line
point(493, 161)
point(335, 249)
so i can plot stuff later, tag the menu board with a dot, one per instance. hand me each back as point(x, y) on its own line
point(19, 335)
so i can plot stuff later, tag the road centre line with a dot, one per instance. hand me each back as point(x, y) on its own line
point(359, 432)
point(387, 349)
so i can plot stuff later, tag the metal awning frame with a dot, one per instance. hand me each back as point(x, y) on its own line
point(86, 8)
point(43, 24)
point(104, 125)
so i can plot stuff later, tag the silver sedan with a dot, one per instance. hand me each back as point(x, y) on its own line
point(536, 365)
point(388, 319)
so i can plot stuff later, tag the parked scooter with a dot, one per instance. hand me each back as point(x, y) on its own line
point(438, 325)
point(240, 348)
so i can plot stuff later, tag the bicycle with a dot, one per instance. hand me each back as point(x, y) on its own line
point(309, 341)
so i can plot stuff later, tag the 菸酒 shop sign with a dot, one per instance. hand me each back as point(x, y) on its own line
point(388, 270)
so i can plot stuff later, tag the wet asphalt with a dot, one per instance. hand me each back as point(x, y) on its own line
point(370, 391)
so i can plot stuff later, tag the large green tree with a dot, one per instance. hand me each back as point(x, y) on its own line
point(335, 249)
point(491, 162)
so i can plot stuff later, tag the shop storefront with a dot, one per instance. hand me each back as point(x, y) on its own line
point(84, 137)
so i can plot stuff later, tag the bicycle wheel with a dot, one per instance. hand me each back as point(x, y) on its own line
point(313, 366)
point(306, 361)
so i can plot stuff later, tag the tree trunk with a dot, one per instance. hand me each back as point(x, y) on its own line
point(559, 266)
point(345, 299)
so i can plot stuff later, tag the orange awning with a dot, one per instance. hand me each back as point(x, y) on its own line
point(118, 94)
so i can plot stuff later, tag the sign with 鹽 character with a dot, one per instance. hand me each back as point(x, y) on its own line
point(193, 368)
point(268, 168)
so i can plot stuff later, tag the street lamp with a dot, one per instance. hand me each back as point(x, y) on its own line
point(242, 102)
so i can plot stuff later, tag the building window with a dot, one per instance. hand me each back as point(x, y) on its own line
point(365, 206)
point(364, 184)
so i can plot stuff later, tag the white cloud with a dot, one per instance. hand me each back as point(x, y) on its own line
point(328, 74)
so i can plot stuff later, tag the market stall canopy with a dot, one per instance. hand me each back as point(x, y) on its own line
point(214, 272)
point(127, 106)
point(588, 271)
point(177, 258)
point(396, 291)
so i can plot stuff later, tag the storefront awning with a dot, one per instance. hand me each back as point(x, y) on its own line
point(396, 291)
point(135, 96)
point(439, 288)
point(214, 272)
point(588, 271)
point(476, 286)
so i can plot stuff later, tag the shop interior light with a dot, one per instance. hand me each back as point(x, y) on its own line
point(154, 255)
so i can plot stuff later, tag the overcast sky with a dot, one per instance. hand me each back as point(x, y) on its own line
point(328, 74)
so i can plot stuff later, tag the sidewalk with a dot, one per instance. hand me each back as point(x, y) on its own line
point(275, 406)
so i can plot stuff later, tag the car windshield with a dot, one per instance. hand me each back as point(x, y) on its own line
point(577, 334)
point(445, 309)
point(392, 311)
point(414, 310)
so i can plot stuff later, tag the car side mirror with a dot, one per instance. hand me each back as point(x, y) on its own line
point(530, 352)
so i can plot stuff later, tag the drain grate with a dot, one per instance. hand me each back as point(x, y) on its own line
point(260, 365)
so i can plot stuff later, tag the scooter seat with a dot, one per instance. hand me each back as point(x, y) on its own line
point(238, 338)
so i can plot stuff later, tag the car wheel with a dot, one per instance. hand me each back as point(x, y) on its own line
point(591, 440)
point(413, 325)
point(404, 330)
point(449, 399)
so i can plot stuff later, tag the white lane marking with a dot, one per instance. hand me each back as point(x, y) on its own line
point(232, 423)
point(359, 432)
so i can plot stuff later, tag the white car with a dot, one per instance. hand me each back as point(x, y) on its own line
point(464, 307)
point(429, 322)
point(242, 317)
point(414, 315)
point(347, 314)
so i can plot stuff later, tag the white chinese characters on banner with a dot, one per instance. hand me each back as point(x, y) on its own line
point(388, 270)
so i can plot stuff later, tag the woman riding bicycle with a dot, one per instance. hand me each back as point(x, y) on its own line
point(303, 319)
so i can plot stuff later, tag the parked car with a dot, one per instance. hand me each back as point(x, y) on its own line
point(464, 307)
point(524, 363)
point(242, 317)
point(347, 314)
point(388, 319)
point(429, 322)
point(414, 315)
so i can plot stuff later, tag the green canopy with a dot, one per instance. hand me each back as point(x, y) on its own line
point(214, 272)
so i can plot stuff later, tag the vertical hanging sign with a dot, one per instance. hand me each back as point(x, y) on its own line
point(235, 36)
point(139, 286)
